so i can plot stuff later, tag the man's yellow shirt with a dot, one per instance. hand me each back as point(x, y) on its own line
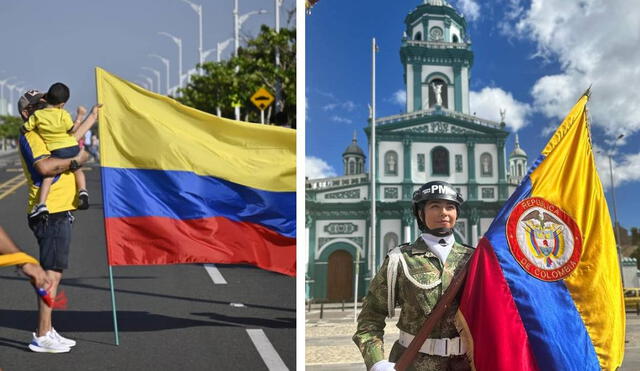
point(63, 190)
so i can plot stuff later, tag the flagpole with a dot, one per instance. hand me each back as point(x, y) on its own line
point(373, 152)
point(113, 307)
point(105, 201)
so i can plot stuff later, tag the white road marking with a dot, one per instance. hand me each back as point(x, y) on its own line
point(215, 274)
point(237, 305)
point(266, 350)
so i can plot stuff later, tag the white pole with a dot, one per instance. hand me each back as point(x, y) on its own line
point(355, 292)
point(236, 27)
point(166, 63)
point(277, 105)
point(262, 116)
point(373, 151)
point(201, 52)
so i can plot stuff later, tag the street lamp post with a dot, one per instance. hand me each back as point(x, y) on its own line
point(12, 88)
point(615, 213)
point(237, 23)
point(278, 103)
point(222, 46)
point(2, 84)
point(166, 64)
point(198, 9)
point(148, 79)
point(178, 42)
point(155, 72)
point(143, 84)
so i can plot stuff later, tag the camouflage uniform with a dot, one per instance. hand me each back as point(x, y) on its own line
point(415, 303)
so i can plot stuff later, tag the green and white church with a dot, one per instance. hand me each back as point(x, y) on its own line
point(435, 139)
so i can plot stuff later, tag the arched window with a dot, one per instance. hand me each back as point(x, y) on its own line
point(418, 36)
point(455, 39)
point(391, 163)
point(352, 167)
point(440, 161)
point(390, 241)
point(438, 93)
point(520, 170)
point(486, 164)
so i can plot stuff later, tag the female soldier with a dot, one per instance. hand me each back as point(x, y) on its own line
point(414, 277)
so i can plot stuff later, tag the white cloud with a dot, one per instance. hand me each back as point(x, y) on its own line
point(316, 168)
point(470, 9)
point(342, 120)
point(347, 106)
point(400, 97)
point(625, 171)
point(489, 101)
point(594, 42)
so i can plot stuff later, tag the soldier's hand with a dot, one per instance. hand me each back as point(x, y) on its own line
point(383, 365)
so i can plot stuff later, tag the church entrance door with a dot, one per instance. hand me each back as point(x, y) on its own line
point(340, 276)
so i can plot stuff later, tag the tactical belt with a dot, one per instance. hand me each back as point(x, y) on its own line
point(438, 347)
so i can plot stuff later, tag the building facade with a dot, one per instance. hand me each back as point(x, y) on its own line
point(435, 139)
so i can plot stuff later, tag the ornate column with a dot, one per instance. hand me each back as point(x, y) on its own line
point(417, 87)
point(457, 88)
point(407, 222)
point(474, 219)
point(471, 169)
point(406, 181)
point(502, 177)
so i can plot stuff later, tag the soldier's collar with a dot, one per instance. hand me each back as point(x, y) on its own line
point(420, 248)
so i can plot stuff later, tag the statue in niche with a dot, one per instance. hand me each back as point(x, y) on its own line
point(390, 241)
point(485, 165)
point(437, 91)
point(391, 163)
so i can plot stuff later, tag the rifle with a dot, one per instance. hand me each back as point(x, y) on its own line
point(406, 359)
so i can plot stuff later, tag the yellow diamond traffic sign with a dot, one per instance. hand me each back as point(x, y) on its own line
point(262, 99)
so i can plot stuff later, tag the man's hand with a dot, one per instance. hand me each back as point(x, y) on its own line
point(95, 109)
point(37, 275)
point(81, 157)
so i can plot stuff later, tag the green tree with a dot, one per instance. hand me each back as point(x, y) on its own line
point(236, 80)
point(10, 126)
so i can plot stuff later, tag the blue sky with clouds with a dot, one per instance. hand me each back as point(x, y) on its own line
point(64, 40)
point(533, 58)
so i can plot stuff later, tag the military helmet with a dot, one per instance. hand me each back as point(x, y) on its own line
point(435, 190)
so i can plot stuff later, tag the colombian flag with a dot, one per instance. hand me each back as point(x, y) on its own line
point(544, 290)
point(183, 186)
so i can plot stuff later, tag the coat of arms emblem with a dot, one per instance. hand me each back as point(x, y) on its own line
point(543, 239)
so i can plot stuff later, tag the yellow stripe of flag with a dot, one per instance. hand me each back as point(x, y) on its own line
point(151, 131)
point(571, 180)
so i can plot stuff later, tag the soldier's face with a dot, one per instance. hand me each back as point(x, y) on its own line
point(439, 214)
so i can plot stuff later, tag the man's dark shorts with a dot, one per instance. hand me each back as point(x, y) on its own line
point(54, 238)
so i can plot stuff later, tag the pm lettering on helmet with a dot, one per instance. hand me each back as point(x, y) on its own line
point(439, 188)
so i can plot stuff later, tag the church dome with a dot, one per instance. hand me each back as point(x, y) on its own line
point(517, 151)
point(353, 148)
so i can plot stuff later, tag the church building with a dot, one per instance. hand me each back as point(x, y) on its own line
point(437, 138)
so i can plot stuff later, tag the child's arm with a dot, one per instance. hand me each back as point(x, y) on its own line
point(87, 123)
point(80, 112)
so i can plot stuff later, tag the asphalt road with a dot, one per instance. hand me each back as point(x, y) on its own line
point(170, 317)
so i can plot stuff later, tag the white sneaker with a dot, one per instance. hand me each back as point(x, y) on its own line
point(61, 339)
point(47, 344)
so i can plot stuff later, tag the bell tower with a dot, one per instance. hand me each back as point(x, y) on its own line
point(436, 55)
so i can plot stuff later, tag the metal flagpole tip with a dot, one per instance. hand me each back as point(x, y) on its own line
point(588, 92)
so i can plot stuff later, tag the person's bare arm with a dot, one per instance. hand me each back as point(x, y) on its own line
point(34, 271)
point(53, 166)
point(88, 122)
point(80, 116)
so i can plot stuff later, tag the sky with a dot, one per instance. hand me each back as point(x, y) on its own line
point(48, 41)
point(532, 58)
